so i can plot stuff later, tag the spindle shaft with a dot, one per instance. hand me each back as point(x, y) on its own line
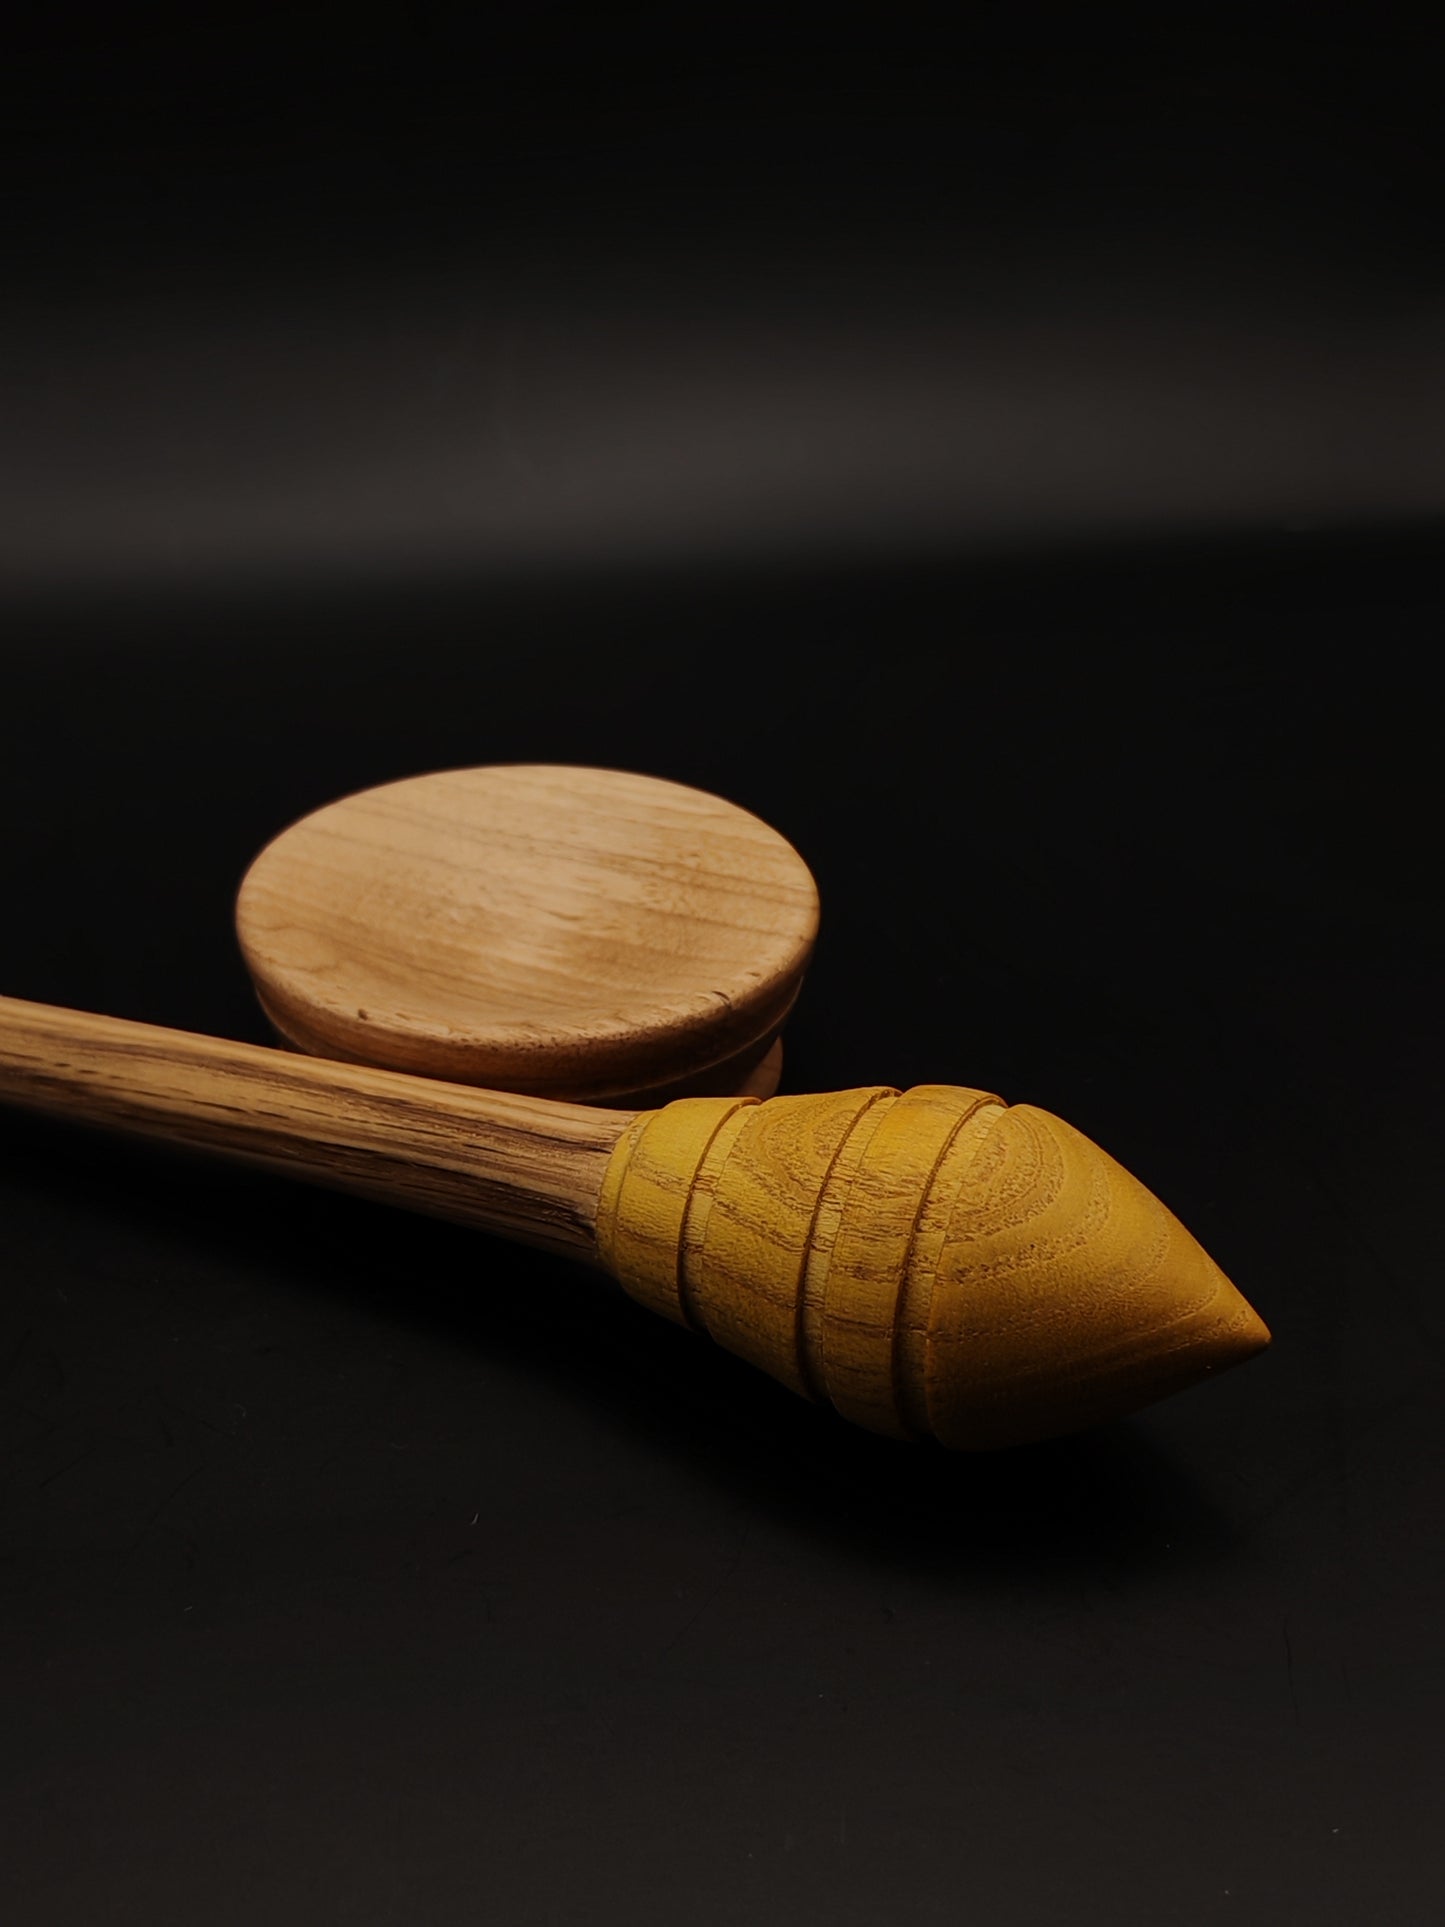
point(523, 1167)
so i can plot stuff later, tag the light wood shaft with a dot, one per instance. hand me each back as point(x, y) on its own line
point(523, 1167)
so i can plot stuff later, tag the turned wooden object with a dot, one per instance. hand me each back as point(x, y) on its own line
point(932, 1262)
point(577, 933)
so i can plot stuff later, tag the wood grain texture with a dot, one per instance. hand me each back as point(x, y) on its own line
point(576, 933)
point(932, 1262)
point(521, 1167)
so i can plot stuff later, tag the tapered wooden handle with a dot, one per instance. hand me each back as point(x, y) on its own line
point(520, 1166)
point(933, 1263)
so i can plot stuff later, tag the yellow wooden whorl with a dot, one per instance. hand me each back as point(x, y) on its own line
point(932, 1263)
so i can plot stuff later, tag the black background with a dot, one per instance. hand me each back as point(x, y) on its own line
point(1014, 474)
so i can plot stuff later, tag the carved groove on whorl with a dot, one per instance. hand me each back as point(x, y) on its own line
point(747, 1275)
point(871, 1260)
point(649, 1183)
point(934, 1264)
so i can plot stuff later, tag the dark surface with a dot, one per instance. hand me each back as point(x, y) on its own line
point(336, 1581)
point(339, 1583)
